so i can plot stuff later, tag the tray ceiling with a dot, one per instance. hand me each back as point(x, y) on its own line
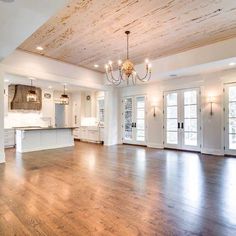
point(91, 32)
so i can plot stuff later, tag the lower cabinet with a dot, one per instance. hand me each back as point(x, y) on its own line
point(9, 138)
point(90, 134)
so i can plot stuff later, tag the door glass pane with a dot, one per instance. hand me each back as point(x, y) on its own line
point(232, 93)
point(190, 111)
point(190, 97)
point(232, 118)
point(140, 124)
point(190, 125)
point(172, 118)
point(172, 137)
point(190, 139)
point(140, 113)
point(140, 135)
point(232, 141)
point(232, 109)
point(232, 125)
point(171, 99)
point(128, 119)
point(190, 118)
point(172, 125)
point(140, 119)
point(172, 112)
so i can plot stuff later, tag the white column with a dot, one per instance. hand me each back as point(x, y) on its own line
point(2, 153)
point(111, 117)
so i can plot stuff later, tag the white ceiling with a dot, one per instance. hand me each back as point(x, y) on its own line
point(20, 18)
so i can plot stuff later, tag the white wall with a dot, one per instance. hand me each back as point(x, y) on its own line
point(32, 65)
point(111, 123)
point(2, 154)
point(212, 126)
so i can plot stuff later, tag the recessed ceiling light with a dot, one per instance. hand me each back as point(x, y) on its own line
point(39, 48)
point(96, 66)
point(232, 64)
point(6, 80)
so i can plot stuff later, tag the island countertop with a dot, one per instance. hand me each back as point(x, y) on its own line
point(42, 128)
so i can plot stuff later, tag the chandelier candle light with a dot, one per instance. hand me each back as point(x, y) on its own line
point(126, 70)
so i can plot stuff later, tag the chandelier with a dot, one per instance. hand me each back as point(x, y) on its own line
point(64, 99)
point(31, 94)
point(126, 70)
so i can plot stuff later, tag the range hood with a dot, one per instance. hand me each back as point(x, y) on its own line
point(19, 92)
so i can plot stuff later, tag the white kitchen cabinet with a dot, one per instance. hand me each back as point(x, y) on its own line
point(9, 138)
point(76, 133)
point(89, 134)
point(101, 134)
point(48, 106)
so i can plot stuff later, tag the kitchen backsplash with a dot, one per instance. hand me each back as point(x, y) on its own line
point(20, 119)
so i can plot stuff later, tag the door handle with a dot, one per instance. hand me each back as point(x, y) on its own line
point(178, 125)
point(182, 125)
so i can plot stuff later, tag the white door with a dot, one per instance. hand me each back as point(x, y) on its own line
point(134, 124)
point(182, 119)
point(230, 119)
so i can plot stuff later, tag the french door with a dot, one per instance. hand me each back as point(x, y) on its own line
point(134, 120)
point(182, 119)
point(230, 119)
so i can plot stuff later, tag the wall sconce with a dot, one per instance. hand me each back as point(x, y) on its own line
point(211, 100)
point(154, 106)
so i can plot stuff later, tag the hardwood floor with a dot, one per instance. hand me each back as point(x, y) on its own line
point(118, 190)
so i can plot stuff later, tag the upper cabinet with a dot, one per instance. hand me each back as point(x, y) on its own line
point(48, 107)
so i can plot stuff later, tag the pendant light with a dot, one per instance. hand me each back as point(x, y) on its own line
point(64, 99)
point(31, 95)
point(126, 70)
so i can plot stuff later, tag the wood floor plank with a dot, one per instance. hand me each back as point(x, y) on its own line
point(119, 190)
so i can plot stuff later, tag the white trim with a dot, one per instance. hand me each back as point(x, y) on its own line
point(155, 145)
point(212, 151)
point(2, 157)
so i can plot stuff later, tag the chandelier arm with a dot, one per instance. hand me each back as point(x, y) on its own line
point(112, 76)
point(133, 79)
point(121, 73)
point(145, 76)
point(108, 78)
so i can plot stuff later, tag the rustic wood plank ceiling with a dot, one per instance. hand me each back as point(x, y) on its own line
point(91, 32)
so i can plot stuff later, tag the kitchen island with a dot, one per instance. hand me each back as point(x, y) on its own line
point(43, 138)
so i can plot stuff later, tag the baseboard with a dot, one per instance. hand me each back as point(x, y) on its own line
point(211, 151)
point(2, 157)
point(155, 145)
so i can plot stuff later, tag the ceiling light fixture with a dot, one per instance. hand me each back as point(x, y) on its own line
point(232, 64)
point(64, 99)
point(96, 66)
point(126, 70)
point(31, 95)
point(39, 48)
